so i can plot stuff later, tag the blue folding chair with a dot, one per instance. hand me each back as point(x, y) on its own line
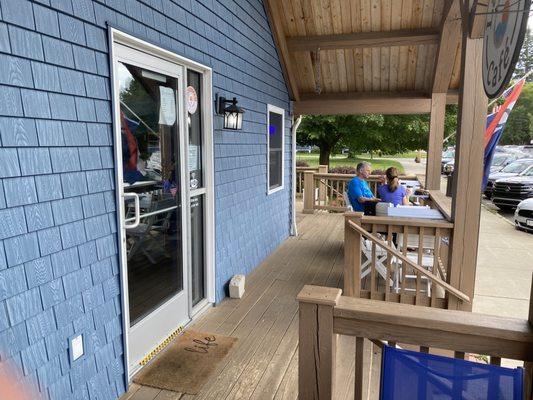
point(410, 375)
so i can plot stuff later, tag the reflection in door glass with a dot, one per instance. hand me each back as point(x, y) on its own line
point(150, 154)
point(194, 114)
point(197, 249)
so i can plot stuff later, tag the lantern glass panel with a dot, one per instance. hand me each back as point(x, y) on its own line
point(230, 120)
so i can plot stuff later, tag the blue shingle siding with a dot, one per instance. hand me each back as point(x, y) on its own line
point(36, 104)
point(34, 161)
point(48, 187)
point(59, 269)
point(25, 43)
point(18, 12)
point(46, 20)
point(45, 77)
point(50, 133)
point(39, 216)
point(20, 191)
point(49, 241)
point(10, 101)
point(18, 132)
point(15, 71)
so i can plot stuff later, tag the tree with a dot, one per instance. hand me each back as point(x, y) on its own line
point(525, 60)
point(369, 133)
point(519, 127)
point(330, 132)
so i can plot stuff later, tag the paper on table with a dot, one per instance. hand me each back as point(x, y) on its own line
point(167, 111)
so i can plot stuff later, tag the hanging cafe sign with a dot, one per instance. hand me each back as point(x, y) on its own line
point(505, 28)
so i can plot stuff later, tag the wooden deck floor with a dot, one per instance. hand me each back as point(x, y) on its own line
point(264, 362)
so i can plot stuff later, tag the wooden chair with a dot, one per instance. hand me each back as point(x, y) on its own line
point(413, 251)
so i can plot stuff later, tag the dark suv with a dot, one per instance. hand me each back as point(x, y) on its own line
point(513, 169)
point(508, 192)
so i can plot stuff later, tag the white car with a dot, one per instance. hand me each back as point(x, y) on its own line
point(523, 216)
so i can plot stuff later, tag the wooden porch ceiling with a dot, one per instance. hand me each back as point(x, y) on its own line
point(367, 56)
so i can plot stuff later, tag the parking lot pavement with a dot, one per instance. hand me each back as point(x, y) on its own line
point(507, 215)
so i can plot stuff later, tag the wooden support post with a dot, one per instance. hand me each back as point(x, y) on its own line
point(468, 173)
point(352, 256)
point(436, 138)
point(317, 346)
point(309, 192)
point(322, 188)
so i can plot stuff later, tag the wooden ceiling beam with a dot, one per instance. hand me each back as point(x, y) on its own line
point(363, 103)
point(450, 39)
point(363, 40)
point(274, 18)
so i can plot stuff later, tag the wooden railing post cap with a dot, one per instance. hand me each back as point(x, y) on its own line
point(319, 295)
point(353, 214)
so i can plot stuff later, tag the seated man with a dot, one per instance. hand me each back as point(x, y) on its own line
point(358, 190)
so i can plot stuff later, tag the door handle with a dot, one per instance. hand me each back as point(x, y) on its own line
point(137, 211)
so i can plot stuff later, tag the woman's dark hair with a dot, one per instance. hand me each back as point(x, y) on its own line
point(392, 178)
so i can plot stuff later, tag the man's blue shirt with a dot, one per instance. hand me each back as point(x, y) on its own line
point(358, 187)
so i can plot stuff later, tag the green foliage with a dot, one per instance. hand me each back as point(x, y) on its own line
point(387, 134)
point(525, 61)
point(519, 127)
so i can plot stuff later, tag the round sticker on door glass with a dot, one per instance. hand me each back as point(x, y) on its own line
point(192, 100)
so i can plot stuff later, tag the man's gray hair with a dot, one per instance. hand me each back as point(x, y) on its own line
point(362, 165)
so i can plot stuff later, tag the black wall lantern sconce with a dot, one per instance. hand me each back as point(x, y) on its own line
point(232, 113)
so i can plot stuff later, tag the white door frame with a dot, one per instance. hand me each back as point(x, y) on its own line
point(119, 37)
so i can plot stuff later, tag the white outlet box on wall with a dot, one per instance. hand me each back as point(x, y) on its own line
point(76, 347)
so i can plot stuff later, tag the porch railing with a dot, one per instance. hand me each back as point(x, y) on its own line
point(300, 171)
point(402, 260)
point(325, 191)
point(324, 313)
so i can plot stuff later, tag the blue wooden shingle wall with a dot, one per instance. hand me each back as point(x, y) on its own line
point(59, 272)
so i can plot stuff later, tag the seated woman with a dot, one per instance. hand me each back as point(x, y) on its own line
point(392, 191)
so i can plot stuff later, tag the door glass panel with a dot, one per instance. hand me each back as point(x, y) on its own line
point(150, 153)
point(197, 249)
point(194, 112)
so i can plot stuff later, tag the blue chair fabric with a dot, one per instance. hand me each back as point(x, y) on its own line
point(410, 375)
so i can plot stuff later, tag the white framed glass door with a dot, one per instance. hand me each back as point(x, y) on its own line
point(153, 194)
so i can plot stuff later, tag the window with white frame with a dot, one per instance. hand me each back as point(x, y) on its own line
point(275, 143)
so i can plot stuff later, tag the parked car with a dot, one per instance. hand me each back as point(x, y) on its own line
point(501, 160)
point(509, 192)
point(513, 169)
point(523, 216)
point(447, 156)
point(304, 149)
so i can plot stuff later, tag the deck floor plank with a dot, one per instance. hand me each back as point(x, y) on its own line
point(264, 362)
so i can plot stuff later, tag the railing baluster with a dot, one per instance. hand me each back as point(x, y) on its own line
point(373, 266)
point(359, 359)
point(419, 261)
point(404, 265)
point(436, 252)
point(496, 361)
point(389, 263)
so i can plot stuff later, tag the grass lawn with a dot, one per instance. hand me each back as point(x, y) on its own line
point(342, 160)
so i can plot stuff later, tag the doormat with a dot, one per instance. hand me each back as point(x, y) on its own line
point(187, 363)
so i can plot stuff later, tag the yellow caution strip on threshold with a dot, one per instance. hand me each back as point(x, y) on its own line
point(161, 346)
